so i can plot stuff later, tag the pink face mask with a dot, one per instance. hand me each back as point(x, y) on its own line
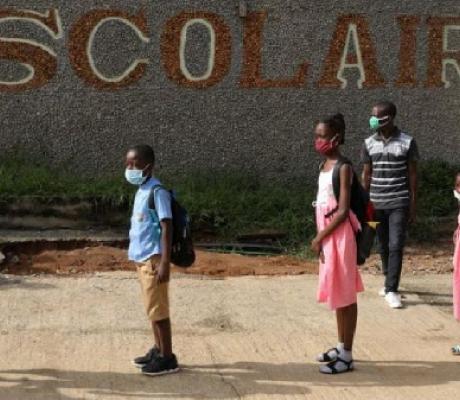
point(326, 147)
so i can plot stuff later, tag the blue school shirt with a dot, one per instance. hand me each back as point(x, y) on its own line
point(145, 232)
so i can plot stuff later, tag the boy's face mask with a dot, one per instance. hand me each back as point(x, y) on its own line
point(376, 123)
point(135, 176)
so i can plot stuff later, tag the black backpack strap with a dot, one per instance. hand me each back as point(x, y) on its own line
point(336, 176)
point(336, 181)
point(151, 200)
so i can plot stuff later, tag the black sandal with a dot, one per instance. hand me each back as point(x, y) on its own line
point(332, 367)
point(325, 356)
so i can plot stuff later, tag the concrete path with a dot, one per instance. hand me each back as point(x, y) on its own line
point(251, 338)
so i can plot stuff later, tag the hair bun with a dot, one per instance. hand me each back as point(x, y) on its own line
point(339, 117)
point(339, 121)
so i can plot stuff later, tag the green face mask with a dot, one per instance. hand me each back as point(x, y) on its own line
point(376, 123)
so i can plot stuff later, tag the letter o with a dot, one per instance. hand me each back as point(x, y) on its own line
point(174, 40)
point(212, 50)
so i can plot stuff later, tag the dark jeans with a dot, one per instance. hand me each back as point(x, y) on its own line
point(391, 232)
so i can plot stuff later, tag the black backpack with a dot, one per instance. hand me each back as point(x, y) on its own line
point(359, 197)
point(358, 204)
point(182, 251)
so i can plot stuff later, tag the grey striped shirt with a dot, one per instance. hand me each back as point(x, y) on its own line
point(389, 160)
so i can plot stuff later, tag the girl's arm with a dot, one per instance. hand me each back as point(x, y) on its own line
point(346, 174)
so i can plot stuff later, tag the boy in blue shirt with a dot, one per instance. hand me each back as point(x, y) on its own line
point(150, 239)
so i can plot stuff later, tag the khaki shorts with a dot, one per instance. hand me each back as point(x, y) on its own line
point(155, 295)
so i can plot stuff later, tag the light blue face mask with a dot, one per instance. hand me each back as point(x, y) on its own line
point(134, 176)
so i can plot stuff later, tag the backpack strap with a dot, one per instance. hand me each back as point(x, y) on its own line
point(151, 200)
point(336, 176)
point(336, 181)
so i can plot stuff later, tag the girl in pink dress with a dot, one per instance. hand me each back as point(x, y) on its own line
point(456, 277)
point(335, 245)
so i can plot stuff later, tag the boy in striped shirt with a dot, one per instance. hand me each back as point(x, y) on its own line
point(390, 160)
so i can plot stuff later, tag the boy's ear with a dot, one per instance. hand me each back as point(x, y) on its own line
point(149, 168)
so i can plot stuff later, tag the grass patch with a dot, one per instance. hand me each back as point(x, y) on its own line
point(224, 204)
point(435, 198)
point(21, 177)
point(232, 204)
point(436, 180)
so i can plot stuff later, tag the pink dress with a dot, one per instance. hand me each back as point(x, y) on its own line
point(456, 277)
point(339, 277)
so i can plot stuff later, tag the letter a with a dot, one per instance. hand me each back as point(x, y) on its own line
point(351, 29)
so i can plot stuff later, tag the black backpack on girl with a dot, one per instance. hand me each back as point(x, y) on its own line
point(359, 201)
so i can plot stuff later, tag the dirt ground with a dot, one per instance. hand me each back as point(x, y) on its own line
point(72, 337)
point(72, 320)
point(106, 258)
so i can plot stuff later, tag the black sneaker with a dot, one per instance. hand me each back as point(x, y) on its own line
point(161, 366)
point(153, 353)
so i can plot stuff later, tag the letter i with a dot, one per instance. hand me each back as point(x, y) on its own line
point(407, 71)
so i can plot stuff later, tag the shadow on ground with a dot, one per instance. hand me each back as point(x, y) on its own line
point(12, 283)
point(220, 381)
point(435, 299)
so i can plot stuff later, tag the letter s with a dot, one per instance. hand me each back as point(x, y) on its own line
point(38, 59)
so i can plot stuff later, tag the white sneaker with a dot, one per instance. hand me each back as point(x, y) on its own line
point(393, 299)
point(382, 292)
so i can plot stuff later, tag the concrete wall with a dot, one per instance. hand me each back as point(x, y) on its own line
point(256, 109)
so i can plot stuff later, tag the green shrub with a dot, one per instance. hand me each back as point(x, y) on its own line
point(435, 199)
point(221, 204)
point(436, 182)
point(20, 176)
point(232, 204)
point(226, 204)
